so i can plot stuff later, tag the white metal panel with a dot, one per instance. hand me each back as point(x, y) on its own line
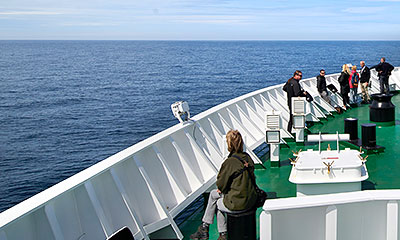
point(374, 82)
point(33, 226)
point(173, 180)
point(66, 215)
point(157, 195)
point(138, 224)
point(98, 208)
point(203, 143)
point(248, 132)
point(138, 196)
point(168, 186)
point(363, 220)
point(198, 151)
point(267, 99)
point(299, 224)
point(200, 163)
point(251, 112)
point(55, 226)
point(232, 122)
point(280, 94)
point(187, 161)
point(88, 220)
point(181, 169)
point(261, 110)
point(395, 78)
point(219, 127)
point(210, 147)
point(209, 133)
point(333, 79)
point(247, 121)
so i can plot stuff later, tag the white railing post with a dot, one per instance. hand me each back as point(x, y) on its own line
point(265, 226)
point(107, 229)
point(158, 196)
point(132, 211)
point(392, 219)
point(54, 224)
point(331, 223)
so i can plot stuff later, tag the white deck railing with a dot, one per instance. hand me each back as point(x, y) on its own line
point(363, 215)
point(146, 185)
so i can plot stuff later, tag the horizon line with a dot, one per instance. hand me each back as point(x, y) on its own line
point(215, 40)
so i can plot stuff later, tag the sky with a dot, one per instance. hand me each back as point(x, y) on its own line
point(199, 20)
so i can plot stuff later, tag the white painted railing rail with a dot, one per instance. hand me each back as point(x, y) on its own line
point(148, 184)
point(372, 214)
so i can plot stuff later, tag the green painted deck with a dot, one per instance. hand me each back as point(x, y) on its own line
point(383, 168)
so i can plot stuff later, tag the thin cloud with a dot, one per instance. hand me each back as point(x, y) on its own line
point(89, 24)
point(24, 13)
point(364, 10)
point(214, 19)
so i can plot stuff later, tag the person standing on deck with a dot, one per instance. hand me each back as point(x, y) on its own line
point(384, 70)
point(354, 79)
point(321, 86)
point(235, 193)
point(365, 75)
point(344, 85)
point(293, 89)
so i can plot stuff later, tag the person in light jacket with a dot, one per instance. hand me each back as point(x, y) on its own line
point(235, 193)
point(365, 75)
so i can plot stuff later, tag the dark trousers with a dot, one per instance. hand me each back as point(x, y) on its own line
point(384, 84)
point(345, 95)
point(290, 123)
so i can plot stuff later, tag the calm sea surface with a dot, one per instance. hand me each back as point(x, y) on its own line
point(66, 105)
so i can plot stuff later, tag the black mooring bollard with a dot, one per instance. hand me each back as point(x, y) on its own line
point(351, 127)
point(381, 108)
point(368, 132)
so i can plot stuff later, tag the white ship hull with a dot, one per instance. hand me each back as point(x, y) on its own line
point(146, 185)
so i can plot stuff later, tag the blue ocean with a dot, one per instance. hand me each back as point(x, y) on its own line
point(66, 105)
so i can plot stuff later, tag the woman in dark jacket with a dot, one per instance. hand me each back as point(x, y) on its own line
point(344, 85)
point(236, 192)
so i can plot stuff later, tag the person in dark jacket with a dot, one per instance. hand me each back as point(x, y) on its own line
point(321, 86)
point(384, 70)
point(365, 75)
point(344, 85)
point(293, 89)
point(235, 193)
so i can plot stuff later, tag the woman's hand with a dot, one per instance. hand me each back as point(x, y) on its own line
point(218, 191)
